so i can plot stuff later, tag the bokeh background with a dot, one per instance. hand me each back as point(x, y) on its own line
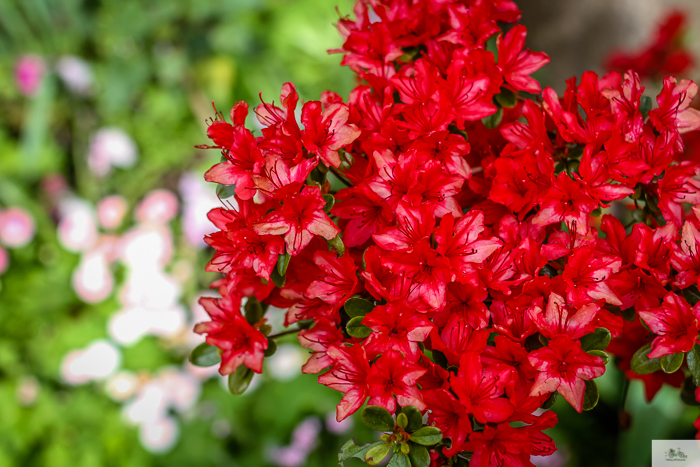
point(103, 209)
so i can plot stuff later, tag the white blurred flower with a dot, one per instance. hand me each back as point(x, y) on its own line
point(122, 385)
point(130, 325)
point(286, 363)
point(77, 230)
point(150, 288)
point(111, 147)
point(16, 227)
point(159, 436)
point(149, 405)
point(145, 247)
point(96, 362)
point(182, 388)
point(111, 211)
point(76, 74)
point(92, 279)
point(158, 207)
point(304, 440)
point(199, 198)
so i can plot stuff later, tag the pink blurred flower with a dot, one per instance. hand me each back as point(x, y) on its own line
point(29, 72)
point(16, 227)
point(198, 199)
point(111, 147)
point(158, 207)
point(4, 260)
point(92, 279)
point(111, 211)
point(77, 229)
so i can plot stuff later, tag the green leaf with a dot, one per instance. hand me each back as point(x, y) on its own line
point(597, 340)
point(337, 244)
point(253, 310)
point(239, 381)
point(671, 363)
point(688, 392)
point(399, 460)
point(427, 436)
point(601, 354)
point(692, 295)
point(550, 401)
point(418, 455)
point(591, 396)
point(377, 454)
point(693, 359)
point(642, 364)
point(377, 418)
point(492, 121)
point(415, 418)
point(352, 451)
point(506, 98)
point(205, 355)
point(271, 347)
point(355, 307)
point(356, 329)
point(282, 263)
point(278, 279)
point(330, 202)
point(645, 106)
point(629, 314)
point(225, 191)
point(402, 420)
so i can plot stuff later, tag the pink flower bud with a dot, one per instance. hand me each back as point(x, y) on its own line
point(29, 72)
point(158, 207)
point(111, 211)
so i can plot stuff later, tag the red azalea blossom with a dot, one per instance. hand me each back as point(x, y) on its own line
point(458, 204)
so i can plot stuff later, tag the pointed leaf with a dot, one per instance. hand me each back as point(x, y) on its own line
point(597, 340)
point(418, 455)
point(282, 263)
point(377, 418)
point(601, 354)
point(337, 244)
point(693, 359)
point(645, 106)
point(492, 121)
point(399, 460)
point(278, 279)
point(271, 347)
point(205, 355)
point(355, 307)
point(415, 418)
point(225, 191)
point(377, 454)
point(550, 401)
point(507, 98)
point(239, 381)
point(352, 451)
point(427, 436)
point(253, 310)
point(402, 420)
point(591, 396)
point(356, 329)
point(671, 363)
point(642, 364)
point(330, 202)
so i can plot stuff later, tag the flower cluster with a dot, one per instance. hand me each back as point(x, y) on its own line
point(439, 239)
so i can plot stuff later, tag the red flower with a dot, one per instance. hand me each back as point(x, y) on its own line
point(299, 219)
point(517, 64)
point(339, 281)
point(675, 323)
point(562, 366)
point(243, 160)
point(561, 319)
point(326, 131)
point(349, 376)
point(587, 274)
point(319, 338)
point(396, 327)
point(240, 343)
point(393, 379)
point(686, 258)
point(366, 212)
point(566, 201)
point(448, 414)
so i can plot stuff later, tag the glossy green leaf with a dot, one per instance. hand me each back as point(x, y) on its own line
point(337, 244)
point(597, 340)
point(688, 392)
point(352, 451)
point(278, 279)
point(418, 455)
point(492, 121)
point(415, 418)
point(693, 359)
point(591, 396)
point(550, 400)
point(399, 460)
point(642, 364)
point(506, 98)
point(376, 454)
point(427, 436)
point(402, 420)
point(282, 263)
point(271, 347)
point(601, 354)
point(239, 381)
point(672, 363)
point(377, 418)
point(355, 307)
point(253, 310)
point(330, 202)
point(645, 106)
point(205, 355)
point(225, 191)
point(356, 329)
